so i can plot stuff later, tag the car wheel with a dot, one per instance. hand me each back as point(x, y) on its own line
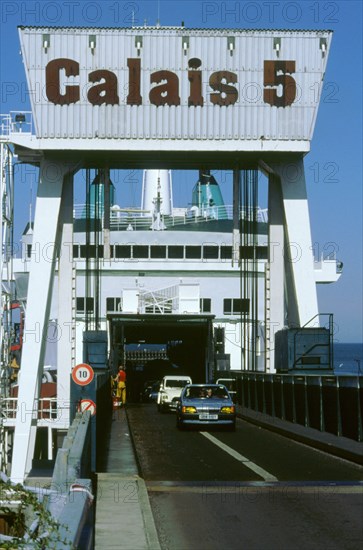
point(231, 427)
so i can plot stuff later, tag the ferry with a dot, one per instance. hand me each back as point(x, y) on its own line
point(165, 281)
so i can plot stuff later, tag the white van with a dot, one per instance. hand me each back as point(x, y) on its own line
point(230, 384)
point(170, 390)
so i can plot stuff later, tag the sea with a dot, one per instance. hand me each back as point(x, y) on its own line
point(348, 358)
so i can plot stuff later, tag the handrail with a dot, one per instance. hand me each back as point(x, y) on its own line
point(132, 217)
point(16, 122)
point(326, 402)
point(158, 298)
point(47, 408)
point(306, 353)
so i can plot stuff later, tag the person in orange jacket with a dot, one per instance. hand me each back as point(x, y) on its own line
point(121, 385)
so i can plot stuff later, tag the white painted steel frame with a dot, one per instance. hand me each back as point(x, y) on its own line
point(293, 297)
point(6, 271)
point(276, 244)
point(46, 242)
point(6, 221)
point(65, 301)
point(299, 260)
point(158, 145)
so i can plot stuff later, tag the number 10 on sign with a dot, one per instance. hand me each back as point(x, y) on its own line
point(82, 374)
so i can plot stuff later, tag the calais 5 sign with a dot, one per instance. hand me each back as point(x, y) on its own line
point(164, 85)
point(125, 88)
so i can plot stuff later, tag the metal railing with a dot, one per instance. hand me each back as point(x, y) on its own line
point(45, 408)
point(16, 122)
point(160, 301)
point(133, 218)
point(327, 403)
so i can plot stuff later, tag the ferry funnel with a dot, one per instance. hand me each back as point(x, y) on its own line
point(96, 196)
point(157, 186)
point(207, 197)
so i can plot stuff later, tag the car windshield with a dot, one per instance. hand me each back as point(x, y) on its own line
point(206, 392)
point(175, 383)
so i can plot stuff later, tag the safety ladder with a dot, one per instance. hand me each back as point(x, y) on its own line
point(267, 317)
point(73, 326)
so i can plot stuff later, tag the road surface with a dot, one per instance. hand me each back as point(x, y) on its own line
point(252, 489)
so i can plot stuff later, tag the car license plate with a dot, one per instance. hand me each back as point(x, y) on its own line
point(206, 416)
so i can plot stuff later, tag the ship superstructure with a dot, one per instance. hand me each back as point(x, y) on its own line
point(171, 268)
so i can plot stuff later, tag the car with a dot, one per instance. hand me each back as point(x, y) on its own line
point(206, 405)
point(169, 391)
point(149, 391)
point(154, 391)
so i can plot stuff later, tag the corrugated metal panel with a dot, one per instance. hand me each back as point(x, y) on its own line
point(250, 118)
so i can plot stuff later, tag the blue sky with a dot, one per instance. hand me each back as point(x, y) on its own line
point(334, 165)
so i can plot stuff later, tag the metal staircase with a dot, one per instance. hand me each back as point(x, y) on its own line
point(164, 300)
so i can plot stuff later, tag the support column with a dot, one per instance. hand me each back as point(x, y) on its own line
point(299, 262)
point(65, 303)
point(41, 276)
point(275, 317)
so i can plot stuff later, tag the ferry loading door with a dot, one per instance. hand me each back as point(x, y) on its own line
point(188, 340)
point(196, 354)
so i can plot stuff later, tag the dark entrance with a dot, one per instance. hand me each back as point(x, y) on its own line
point(152, 346)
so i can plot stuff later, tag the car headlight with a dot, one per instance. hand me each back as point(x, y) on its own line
point(189, 410)
point(228, 410)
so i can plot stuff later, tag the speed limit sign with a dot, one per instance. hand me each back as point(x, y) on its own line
point(82, 374)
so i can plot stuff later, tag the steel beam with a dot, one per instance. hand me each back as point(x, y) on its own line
point(44, 254)
point(302, 302)
point(293, 297)
point(65, 302)
point(276, 317)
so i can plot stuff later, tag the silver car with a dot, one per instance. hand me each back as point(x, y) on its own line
point(205, 405)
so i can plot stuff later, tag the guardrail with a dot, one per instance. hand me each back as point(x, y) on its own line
point(65, 518)
point(74, 509)
point(327, 403)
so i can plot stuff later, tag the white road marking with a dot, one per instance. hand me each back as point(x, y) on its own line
point(266, 476)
